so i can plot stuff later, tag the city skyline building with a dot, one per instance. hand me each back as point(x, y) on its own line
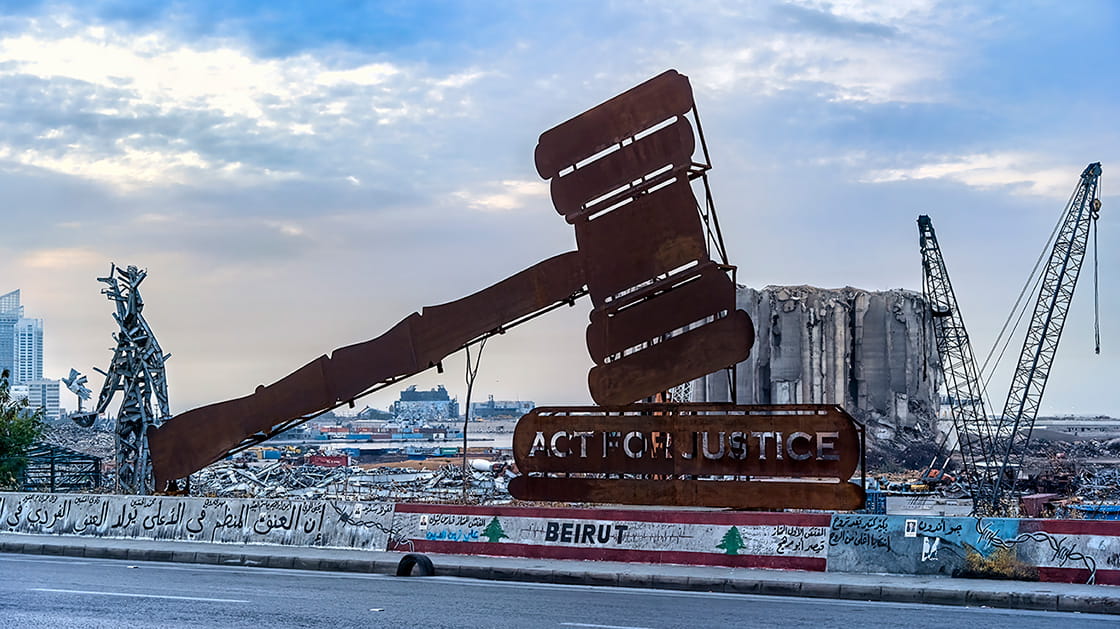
point(41, 393)
point(10, 313)
point(27, 347)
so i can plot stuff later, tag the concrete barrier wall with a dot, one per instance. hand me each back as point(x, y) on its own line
point(766, 540)
point(1071, 551)
point(912, 545)
point(319, 523)
point(1076, 551)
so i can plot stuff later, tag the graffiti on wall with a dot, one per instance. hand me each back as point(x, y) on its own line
point(287, 522)
point(910, 545)
point(565, 530)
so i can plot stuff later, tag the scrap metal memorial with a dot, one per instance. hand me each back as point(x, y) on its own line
point(651, 257)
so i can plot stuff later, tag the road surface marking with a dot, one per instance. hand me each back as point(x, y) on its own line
point(581, 624)
point(129, 595)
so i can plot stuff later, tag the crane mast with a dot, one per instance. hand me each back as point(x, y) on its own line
point(1041, 342)
point(962, 381)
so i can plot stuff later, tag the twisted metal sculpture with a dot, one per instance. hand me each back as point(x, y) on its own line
point(137, 372)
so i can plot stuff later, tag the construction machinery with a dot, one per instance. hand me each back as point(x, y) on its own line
point(971, 429)
point(992, 455)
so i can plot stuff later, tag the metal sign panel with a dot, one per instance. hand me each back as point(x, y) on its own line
point(795, 456)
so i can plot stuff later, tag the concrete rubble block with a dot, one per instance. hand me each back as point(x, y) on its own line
point(819, 590)
point(530, 575)
point(156, 554)
point(632, 580)
point(111, 553)
point(231, 559)
point(1047, 601)
point(671, 582)
point(281, 561)
point(780, 588)
point(944, 596)
point(384, 566)
point(336, 565)
point(1089, 604)
point(364, 566)
point(466, 571)
point(744, 586)
point(54, 549)
point(601, 578)
point(987, 598)
point(707, 584)
point(897, 594)
point(306, 563)
point(32, 549)
point(183, 556)
point(860, 592)
point(504, 573)
point(208, 557)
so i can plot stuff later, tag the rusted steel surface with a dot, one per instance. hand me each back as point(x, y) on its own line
point(664, 96)
point(702, 296)
point(626, 188)
point(355, 368)
point(651, 236)
point(670, 146)
point(196, 438)
point(714, 455)
point(634, 246)
point(806, 442)
point(682, 358)
point(443, 329)
point(840, 496)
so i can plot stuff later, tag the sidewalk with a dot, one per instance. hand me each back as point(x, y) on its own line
point(1097, 599)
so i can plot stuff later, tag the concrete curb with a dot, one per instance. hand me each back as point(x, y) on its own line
point(500, 569)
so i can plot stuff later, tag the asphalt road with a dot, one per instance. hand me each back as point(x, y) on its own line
point(59, 592)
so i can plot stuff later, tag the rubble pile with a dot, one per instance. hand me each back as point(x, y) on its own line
point(283, 479)
point(1100, 485)
point(99, 443)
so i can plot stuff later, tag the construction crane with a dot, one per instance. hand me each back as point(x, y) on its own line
point(991, 458)
point(962, 379)
point(1041, 343)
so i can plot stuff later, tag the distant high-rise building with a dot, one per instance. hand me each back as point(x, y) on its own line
point(10, 314)
point(21, 341)
point(28, 346)
point(41, 393)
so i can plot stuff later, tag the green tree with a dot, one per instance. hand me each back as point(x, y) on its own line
point(20, 427)
point(493, 531)
point(732, 541)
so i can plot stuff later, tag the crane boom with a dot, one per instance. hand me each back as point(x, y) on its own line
point(1041, 342)
point(962, 381)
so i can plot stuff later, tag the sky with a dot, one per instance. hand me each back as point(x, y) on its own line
point(298, 176)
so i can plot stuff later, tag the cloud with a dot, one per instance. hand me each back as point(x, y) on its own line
point(503, 196)
point(60, 259)
point(1023, 173)
point(144, 109)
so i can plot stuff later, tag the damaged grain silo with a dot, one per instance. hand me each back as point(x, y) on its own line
point(871, 352)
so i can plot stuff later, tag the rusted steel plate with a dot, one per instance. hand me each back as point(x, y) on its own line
point(669, 146)
point(641, 240)
point(664, 96)
point(840, 496)
point(445, 328)
point(194, 439)
point(808, 442)
point(680, 359)
point(710, 293)
point(355, 368)
point(191, 440)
